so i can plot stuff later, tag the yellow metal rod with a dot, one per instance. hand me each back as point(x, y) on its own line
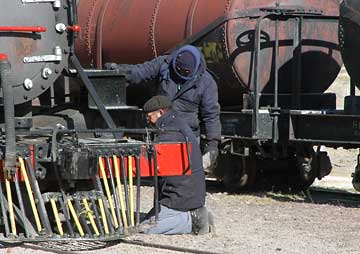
point(108, 193)
point(90, 215)
point(119, 190)
point(30, 194)
point(76, 219)
point(10, 204)
point(131, 191)
point(56, 215)
point(103, 216)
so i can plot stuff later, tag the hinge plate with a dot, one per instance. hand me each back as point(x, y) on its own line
point(57, 57)
point(56, 3)
point(43, 58)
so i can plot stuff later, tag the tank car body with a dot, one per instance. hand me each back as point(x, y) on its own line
point(108, 36)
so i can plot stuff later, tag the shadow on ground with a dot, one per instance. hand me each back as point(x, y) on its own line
point(286, 194)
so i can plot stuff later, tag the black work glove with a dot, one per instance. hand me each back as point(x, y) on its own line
point(110, 66)
point(122, 69)
point(211, 153)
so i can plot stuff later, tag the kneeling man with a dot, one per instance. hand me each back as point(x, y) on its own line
point(182, 198)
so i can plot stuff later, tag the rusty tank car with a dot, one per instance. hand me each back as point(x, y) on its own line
point(68, 171)
point(228, 44)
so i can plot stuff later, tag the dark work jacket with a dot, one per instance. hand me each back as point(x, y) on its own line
point(197, 98)
point(185, 192)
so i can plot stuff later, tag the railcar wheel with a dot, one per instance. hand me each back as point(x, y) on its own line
point(307, 170)
point(356, 175)
point(294, 173)
point(305, 173)
point(239, 172)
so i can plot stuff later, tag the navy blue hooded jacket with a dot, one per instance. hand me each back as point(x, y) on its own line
point(187, 192)
point(194, 99)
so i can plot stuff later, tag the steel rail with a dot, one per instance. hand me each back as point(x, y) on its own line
point(82, 246)
point(167, 247)
point(327, 195)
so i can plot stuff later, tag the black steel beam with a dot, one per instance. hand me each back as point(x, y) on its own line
point(328, 128)
point(94, 95)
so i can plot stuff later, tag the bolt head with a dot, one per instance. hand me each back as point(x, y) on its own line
point(28, 84)
point(60, 27)
point(46, 73)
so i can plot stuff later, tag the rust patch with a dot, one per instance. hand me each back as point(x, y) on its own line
point(21, 47)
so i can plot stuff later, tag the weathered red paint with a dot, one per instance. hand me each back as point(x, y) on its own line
point(129, 29)
point(172, 160)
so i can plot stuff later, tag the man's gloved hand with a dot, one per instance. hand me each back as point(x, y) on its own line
point(110, 66)
point(122, 69)
point(211, 153)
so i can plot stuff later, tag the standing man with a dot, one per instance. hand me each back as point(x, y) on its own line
point(181, 198)
point(182, 76)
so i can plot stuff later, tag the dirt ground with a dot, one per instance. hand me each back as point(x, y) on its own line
point(266, 222)
point(259, 223)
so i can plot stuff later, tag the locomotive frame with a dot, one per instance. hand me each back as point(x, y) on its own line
point(62, 184)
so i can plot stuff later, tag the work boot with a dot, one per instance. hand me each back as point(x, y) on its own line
point(200, 221)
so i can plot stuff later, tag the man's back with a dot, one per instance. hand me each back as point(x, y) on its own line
point(193, 98)
point(181, 198)
point(186, 192)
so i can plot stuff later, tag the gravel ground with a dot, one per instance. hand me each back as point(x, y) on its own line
point(257, 223)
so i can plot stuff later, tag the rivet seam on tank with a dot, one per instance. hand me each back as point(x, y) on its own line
point(56, 3)
point(227, 6)
point(223, 31)
point(87, 30)
point(153, 28)
point(225, 47)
